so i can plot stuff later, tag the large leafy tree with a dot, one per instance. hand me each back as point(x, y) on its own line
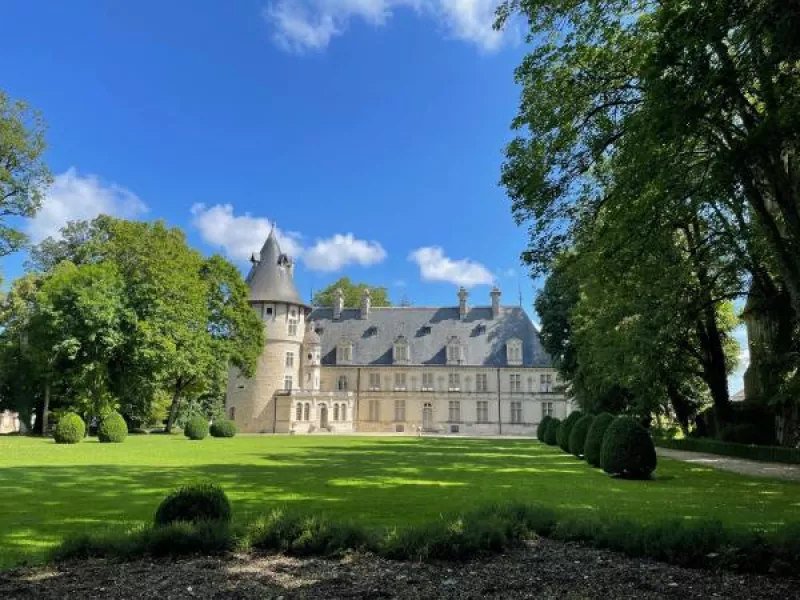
point(352, 294)
point(24, 177)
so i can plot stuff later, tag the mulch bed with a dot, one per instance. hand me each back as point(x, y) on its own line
point(545, 569)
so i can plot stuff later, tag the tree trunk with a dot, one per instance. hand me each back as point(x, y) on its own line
point(715, 372)
point(681, 407)
point(46, 407)
point(173, 411)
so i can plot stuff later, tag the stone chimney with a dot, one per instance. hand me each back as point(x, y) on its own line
point(338, 303)
point(462, 302)
point(495, 293)
point(366, 303)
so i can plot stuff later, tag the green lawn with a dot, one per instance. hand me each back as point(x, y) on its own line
point(48, 490)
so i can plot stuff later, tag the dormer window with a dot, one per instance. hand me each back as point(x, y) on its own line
point(514, 352)
point(400, 352)
point(344, 352)
point(426, 330)
point(455, 351)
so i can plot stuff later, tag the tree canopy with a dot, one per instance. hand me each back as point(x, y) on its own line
point(352, 294)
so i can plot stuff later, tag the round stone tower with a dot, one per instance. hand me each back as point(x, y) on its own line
point(254, 403)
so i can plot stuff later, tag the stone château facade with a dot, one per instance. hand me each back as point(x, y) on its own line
point(472, 370)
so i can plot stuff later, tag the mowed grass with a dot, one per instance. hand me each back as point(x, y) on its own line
point(49, 490)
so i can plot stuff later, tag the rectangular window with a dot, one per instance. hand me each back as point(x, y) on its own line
point(516, 412)
point(454, 411)
point(400, 381)
point(292, 327)
point(399, 410)
point(453, 382)
point(547, 409)
point(289, 359)
point(515, 382)
point(482, 415)
point(287, 383)
point(232, 413)
point(427, 382)
point(546, 382)
point(374, 410)
point(481, 384)
point(374, 381)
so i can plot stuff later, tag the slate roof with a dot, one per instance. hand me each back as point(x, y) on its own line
point(483, 338)
point(270, 279)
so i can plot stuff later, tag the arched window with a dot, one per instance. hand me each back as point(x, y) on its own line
point(342, 384)
point(335, 412)
point(307, 412)
point(298, 414)
point(344, 412)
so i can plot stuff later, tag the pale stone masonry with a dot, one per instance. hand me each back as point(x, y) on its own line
point(471, 370)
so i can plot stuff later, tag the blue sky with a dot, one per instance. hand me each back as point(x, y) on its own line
point(370, 131)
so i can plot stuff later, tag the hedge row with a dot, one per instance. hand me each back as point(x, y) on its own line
point(762, 453)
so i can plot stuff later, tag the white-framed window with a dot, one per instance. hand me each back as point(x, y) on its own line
point(292, 327)
point(267, 311)
point(298, 412)
point(374, 381)
point(514, 352)
point(400, 410)
point(344, 412)
point(516, 412)
point(374, 410)
point(344, 352)
point(455, 352)
point(427, 382)
point(453, 382)
point(482, 411)
point(515, 382)
point(401, 351)
point(454, 411)
point(307, 412)
point(400, 382)
point(530, 385)
point(289, 359)
point(341, 383)
point(547, 409)
point(287, 383)
point(335, 412)
point(481, 382)
point(546, 382)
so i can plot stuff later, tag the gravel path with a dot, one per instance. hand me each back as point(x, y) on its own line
point(737, 465)
point(545, 569)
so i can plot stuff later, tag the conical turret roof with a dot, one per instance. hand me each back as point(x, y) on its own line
point(271, 278)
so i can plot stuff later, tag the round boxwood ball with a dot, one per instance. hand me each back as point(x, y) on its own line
point(551, 433)
point(594, 438)
point(70, 429)
point(113, 429)
point(628, 450)
point(223, 428)
point(577, 437)
point(542, 428)
point(196, 428)
point(194, 503)
point(566, 429)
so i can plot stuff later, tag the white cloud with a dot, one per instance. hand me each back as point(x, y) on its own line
point(435, 266)
point(509, 272)
point(309, 25)
point(75, 197)
point(340, 250)
point(239, 236)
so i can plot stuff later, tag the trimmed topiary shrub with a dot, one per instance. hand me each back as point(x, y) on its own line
point(542, 428)
point(628, 450)
point(113, 429)
point(577, 437)
point(70, 429)
point(566, 429)
point(223, 428)
point(194, 503)
point(196, 428)
point(594, 438)
point(551, 433)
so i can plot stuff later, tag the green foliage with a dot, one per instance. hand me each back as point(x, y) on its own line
point(223, 428)
point(564, 431)
point(551, 433)
point(742, 433)
point(352, 294)
point(577, 437)
point(70, 429)
point(627, 450)
point(542, 427)
point(113, 428)
point(193, 503)
point(762, 453)
point(196, 428)
point(594, 438)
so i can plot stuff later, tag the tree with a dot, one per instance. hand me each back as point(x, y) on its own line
point(24, 176)
point(352, 294)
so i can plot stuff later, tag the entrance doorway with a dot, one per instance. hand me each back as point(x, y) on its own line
point(323, 417)
point(427, 416)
